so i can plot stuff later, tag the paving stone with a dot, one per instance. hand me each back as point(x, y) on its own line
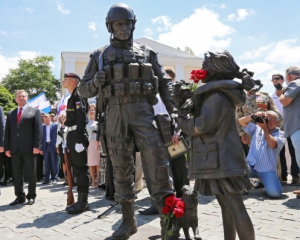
point(47, 218)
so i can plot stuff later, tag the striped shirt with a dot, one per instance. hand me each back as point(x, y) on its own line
point(261, 156)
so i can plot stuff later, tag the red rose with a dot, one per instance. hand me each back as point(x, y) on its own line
point(180, 204)
point(166, 209)
point(202, 73)
point(178, 213)
point(170, 201)
point(197, 75)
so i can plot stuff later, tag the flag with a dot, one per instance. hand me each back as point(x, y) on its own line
point(40, 101)
point(62, 105)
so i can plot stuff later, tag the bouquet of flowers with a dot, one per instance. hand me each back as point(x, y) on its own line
point(198, 75)
point(174, 208)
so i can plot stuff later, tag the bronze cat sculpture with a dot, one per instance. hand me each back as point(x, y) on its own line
point(190, 217)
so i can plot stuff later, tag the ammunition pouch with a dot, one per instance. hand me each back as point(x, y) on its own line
point(118, 73)
point(163, 123)
point(133, 71)
point(129, 78)
point(129, 89)
point(119, 89)
point(134, 88)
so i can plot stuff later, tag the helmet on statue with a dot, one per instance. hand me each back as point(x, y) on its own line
point(119, 12)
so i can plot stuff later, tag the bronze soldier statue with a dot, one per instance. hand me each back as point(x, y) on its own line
point(126, 76)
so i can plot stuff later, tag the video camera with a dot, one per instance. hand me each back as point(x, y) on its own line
point(259, 119)
point(278, 86)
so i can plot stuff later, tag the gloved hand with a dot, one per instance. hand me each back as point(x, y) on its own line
point(79, 147)
point(99, 79)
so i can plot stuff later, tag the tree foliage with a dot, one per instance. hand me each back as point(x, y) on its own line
point(34, 76)
point(188, 50)
point(6, 100)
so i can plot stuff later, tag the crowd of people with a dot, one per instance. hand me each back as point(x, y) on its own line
point(260, 123)
point(276, 120)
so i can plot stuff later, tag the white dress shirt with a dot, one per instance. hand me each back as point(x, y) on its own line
point(48, 133)
point(23, 109)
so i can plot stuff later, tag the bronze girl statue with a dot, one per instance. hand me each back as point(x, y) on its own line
point(217, 161)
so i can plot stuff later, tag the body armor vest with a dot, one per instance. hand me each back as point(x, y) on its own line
point(128, 72)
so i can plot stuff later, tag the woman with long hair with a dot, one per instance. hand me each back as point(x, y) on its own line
point(93, 149)
point(217, 161)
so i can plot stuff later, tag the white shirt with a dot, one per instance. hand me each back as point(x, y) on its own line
point(278, 103)
point(23, 108)
point(48, 133)
point(160, 108)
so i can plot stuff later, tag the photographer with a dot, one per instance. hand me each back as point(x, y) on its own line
point(255, 102)
point(267, 141)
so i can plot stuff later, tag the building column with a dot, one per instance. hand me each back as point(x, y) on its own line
point(179, 70)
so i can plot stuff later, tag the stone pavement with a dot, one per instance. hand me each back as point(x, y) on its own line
point(47, 218)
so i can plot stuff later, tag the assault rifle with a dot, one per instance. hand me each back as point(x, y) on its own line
point(70, 198)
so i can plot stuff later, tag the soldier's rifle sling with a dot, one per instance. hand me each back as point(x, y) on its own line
point(100, 98)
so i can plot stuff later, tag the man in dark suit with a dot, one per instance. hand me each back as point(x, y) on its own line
point(49, 150)
point(23, 141)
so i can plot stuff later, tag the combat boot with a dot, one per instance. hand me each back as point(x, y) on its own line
point(80, 206)
point(128, 225)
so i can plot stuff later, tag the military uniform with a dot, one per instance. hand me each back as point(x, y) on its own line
point(133, 77)
point(76, 121)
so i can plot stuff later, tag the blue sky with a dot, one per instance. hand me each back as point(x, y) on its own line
point(261, 35)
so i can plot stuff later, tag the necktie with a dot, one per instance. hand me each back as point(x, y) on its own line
point(19, 115)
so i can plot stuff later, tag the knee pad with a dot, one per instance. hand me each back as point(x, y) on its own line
point(119, 146)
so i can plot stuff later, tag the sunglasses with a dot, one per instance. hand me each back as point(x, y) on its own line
point(276, 78)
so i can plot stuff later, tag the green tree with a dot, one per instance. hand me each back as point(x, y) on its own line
point(34, 76)
point(6, 100)
point(188, 50)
